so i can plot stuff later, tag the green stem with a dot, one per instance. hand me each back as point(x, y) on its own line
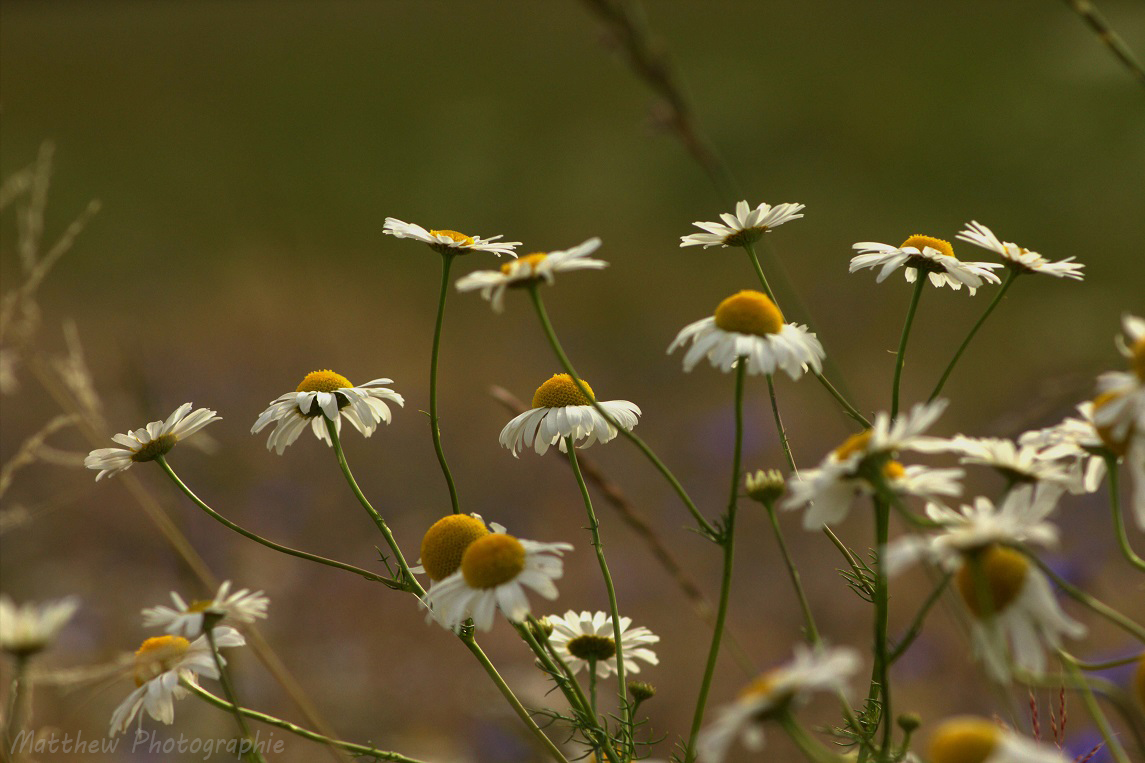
point(796, 582)
point(434, 428)
point(779, 425)
point(1010, 277)
point(253, 753)
point(1118, 518)
point(751, 255)
point(806, 743)
point(727, 540)
point(372, 576)
point(880, 679)
point(1111, 740)
point(16, 700)
point(613, 608)
point(900, 358)
point(508, 694)
point(270, 720)
point(1107, 664)
point(916, 624)
point(1106, 611)
point(551, 335)
point(408, 579)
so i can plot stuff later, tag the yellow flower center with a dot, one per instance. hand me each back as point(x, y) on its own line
point(460, 238)
point(160, 446)
point(918, 241)
point(749, 312)
point(323, 381)
point(856, 443)
point(763, 688)
point(963, 740)
point(200, 605)
point(591, 647)
point(445, 543)
point(158, 655)
point(527, 263)
point(561, 391)
point(893, 470)
point(492, 560)
point(1119, 447)
point(995, 571)
point(1138, 361)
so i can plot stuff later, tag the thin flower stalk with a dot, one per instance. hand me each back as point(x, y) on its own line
point(614, 610)
point(900, 356)
point(810, 746)
point(915, 627)
point(252, 752)
point(1090, 602)
point(434, 427)
point(813, 636)
point(547, 326)
point(1118, 516)
point(17, 699)
point(880, 674)
point(727, 540)
point(1011, 275)
point(372, 576)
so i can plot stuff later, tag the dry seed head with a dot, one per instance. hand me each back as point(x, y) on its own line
point(561, 391)
point(749, 312)
point(445, 542)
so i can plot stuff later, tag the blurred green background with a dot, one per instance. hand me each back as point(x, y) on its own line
point(246, 156)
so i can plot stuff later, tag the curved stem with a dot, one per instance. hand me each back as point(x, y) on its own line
point(916, 624)
point(1111, 740)
point(751, 255)
point(613, 608)
point(551, 335)
point(507, 693)
point(779, 424)
point(796, 582)
point(1106, 611)
point(1010, 276)
point(372, 576)
point(434, 428)
point(807, 743)
point(354, 749)
point(900, 357)
point(408, 579)
point(229, 690)
point(1118, 518)
point(727, 540)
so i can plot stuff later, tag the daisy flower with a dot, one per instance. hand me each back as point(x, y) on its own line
point(159, 665)
point(1121, 394)
point(149, 443)
point(1077, 445)
point(226, 608)
point(560, 411)
point(538, 266)
point(748, 325)
point(586, 636)
point(30, 628)
point(828, 490)
point(326, 396)
point(1019, 258)
point(929, 255)
point(774, 693)
point(1014, 462)
point(978, 740)
point(494, 572)
point(449, 241)
point(744, 227)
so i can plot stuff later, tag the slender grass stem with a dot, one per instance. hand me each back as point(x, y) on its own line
point(434, 421)
point(547, 326)
point(900, 356)
point(779, 424)
point(727, 540)
point(354, 749)
point(409, 581)
point(796, 582)
point(1118, 517)
point(613, 608)
point(253, 753)
point(1112, 742)
point(372, 576)
point(1010, 277)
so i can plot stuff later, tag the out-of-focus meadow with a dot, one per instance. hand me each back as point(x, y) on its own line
point(246, 155)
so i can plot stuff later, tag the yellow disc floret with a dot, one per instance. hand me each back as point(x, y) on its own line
point(445, 543)
point(996, 571)
point(856, 443)
point(893, 470)
point(561, 391)
point(323, 381)
point(749, 312)
point(158, 655)
point(526, 264)
point(919, 241)
point(460, 238)
point(764, 692)
point(492, 560)
point(964, 740)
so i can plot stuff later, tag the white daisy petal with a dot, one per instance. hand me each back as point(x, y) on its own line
point(148, 443)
